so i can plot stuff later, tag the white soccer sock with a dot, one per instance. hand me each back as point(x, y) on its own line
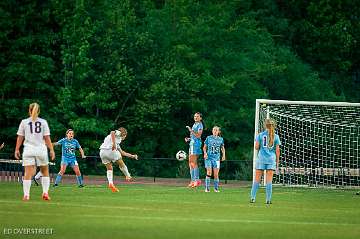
point(45, 183)
point(26, 187)
point(125, 171)
point(38, 175)
point(109, 175)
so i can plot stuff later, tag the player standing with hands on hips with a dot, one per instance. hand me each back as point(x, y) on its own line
point(268, 145)
point(34, 132)
point(195, 148)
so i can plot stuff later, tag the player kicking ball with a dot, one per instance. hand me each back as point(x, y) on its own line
point(110, 152)
point(212, 147)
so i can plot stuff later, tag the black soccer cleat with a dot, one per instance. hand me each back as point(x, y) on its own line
point(35, 181)
point(81, 186)
point(268, 202)
point(252, 200)
point(55, 185)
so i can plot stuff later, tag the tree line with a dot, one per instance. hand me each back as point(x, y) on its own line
point(149, 65)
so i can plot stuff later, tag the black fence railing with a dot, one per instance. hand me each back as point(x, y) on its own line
point(144, 167)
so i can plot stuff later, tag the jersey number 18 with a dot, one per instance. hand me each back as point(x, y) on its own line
point(37, 127)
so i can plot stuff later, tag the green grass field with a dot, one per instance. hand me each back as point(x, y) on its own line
point(143, 211)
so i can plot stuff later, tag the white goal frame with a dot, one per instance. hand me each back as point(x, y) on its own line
point(268, 104)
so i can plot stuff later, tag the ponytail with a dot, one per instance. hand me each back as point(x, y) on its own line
point(34, 111)
point(270, 126)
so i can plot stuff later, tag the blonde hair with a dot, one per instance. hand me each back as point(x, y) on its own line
point(270, 126)
point(217, 127)
point(123, 131)
point(34, 110)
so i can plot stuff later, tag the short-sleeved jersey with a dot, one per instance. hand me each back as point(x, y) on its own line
point(107, 144)
point(196, 128)
point(214, 145)
point(34, 131)
point(267, 154)
point(69, 148)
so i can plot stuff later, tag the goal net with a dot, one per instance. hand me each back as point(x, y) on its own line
point(320, 141)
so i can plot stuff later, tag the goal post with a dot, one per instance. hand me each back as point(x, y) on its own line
point(320, 141)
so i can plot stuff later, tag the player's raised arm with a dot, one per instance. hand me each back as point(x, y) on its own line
point(196, 134)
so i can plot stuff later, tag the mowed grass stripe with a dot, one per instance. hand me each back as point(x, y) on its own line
point(159, 212)
point(206, 220)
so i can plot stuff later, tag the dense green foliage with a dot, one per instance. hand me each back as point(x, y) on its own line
point(149, 65)
point(162, 212)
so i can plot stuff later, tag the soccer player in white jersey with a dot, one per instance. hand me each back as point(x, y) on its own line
point(34, 132)
point(110, 152)
point(195, 149)
point(268, 145)
point(212, 146)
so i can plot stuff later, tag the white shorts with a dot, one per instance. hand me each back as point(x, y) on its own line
point(35, 156)
point(108, 155)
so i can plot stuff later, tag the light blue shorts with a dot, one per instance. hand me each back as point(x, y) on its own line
point(195, 148)
point(212, 163)
point(71, 163)
point(265, 166)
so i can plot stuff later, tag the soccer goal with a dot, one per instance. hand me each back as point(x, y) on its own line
point(320, 141)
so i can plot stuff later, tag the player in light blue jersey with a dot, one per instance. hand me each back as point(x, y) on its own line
point(195, 148)
point(268, 145)
point(69, 146)
point(212, 147)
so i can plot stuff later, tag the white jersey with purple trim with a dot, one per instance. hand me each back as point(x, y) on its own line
point(34, 132)
point(107, 144)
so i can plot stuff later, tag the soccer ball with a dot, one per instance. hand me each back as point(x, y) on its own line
point(181, 155)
